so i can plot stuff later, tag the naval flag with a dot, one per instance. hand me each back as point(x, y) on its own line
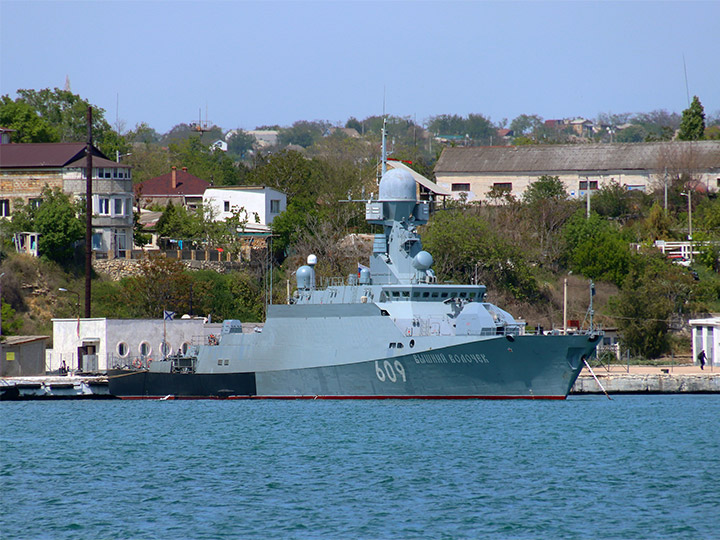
point(169, 315)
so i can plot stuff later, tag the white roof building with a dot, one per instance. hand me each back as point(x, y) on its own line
point(261, 204)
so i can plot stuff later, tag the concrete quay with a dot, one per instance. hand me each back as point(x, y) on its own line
point(44, 387)
point(670, 379)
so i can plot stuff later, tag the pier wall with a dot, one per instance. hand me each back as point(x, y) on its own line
point(648, 383)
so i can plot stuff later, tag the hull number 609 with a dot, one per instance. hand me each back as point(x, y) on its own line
point(391, 372)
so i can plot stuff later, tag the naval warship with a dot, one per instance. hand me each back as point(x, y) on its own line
point(391, 331)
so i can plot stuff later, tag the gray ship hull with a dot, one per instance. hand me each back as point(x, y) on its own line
point(529, 367)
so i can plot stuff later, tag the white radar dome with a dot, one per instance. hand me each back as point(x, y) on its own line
point(397, 185)
point(305, 277)
point(422, 261)
point(312, 260)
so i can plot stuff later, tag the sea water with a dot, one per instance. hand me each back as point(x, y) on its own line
point(633, 467)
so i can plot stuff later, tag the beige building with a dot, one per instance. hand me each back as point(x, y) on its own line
point(25, 170)
point(475, 171)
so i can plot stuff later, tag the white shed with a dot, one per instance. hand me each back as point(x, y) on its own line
point(706, 337)
point(97, 344)
point(262, 201)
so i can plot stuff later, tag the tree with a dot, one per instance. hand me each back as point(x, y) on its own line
point(240, 143)
point(544, 188)
point(652, 291)
point(67, 113)
point(447, 124)
point(353, 123)
point(11, 324)
point(660, 125)
point(692, 126)
point(612, 200)
point(28, 125)
point(216, 167)
point(631, 134)
point(303, 133)
point(526, 124)
point(161, 284)
point(462, 244)
point(143, 133)
point(57, 221)
point(479, 127)
point(546, 208)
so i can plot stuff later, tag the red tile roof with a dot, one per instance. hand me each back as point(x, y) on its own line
point(43, 155)
point(161, 186)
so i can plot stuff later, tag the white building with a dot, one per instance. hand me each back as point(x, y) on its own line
point(97, 344)
point(219, 145)
point(706, 337)
point(257, 201)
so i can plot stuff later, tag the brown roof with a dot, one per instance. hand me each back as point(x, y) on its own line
point(161, 186)
point(704, 155)
point(43, 155)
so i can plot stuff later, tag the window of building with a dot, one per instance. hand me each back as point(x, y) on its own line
point(4, 207)
point(165, 348)
point(35, 203)
point(226, 206)
point(502, 186)
point(145, 349)
point(97, 241)
point(274, 206)
point(123, 349)
point(103, 206)
point(461, 187)
point(584, 185)
point(118, 207)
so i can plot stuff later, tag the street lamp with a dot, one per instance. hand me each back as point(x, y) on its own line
point(688, 194)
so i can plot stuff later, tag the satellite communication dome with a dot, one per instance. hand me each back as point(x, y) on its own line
point(305, 276)
point(397, 185)
point(422, 261)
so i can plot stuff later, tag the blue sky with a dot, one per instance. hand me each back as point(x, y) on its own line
point(253, 63)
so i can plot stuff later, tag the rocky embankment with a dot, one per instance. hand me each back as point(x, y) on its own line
point(117, 269)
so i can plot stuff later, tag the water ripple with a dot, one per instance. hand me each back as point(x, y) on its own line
point(636, 467)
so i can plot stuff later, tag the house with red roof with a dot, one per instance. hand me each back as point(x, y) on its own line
point(27, 168)
point(180, 187)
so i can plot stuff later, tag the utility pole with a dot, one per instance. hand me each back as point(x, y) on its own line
point(88, 212)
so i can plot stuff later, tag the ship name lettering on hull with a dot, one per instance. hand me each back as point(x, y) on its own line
point(441, 358)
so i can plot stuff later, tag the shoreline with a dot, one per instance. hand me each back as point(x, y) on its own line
point(640, 379)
